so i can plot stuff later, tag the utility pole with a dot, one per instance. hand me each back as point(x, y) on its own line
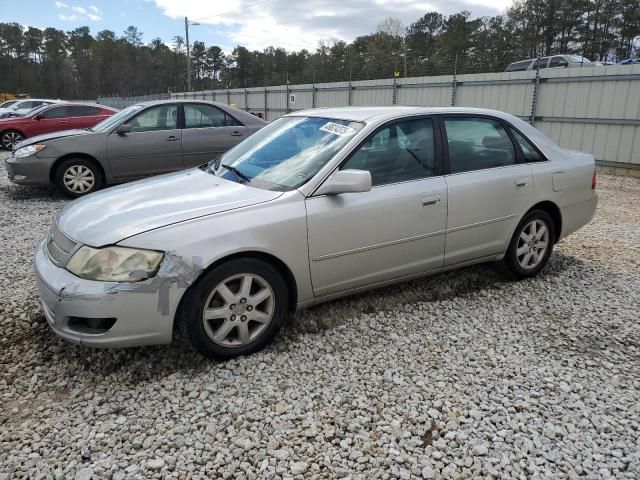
point(186, 30)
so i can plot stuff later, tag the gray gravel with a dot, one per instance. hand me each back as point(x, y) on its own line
point(460, 375)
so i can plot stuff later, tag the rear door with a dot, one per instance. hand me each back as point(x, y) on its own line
point(152, 147)
point(394, 230)
point(208, 132)
point(83, 116)
point(488, 187)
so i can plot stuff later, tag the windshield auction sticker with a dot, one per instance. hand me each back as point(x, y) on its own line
point(336, 129)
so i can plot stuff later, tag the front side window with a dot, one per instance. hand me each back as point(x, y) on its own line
point(56, 112)
point(401, 152)
point(477, 144)
point(528, 150)
point(206, 116)
point(110, 122)
point(161, 117)
point(286, 153)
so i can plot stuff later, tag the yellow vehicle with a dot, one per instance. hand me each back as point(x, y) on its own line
point(8, 96)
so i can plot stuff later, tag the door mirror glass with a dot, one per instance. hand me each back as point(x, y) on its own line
point(123, 129)
point(346, 181)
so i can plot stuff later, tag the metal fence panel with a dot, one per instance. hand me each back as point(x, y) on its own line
point(593, 109)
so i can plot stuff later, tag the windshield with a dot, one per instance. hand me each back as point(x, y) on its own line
point(34, 111)
point(286, 153)
point(113, 120)
point(16, 106)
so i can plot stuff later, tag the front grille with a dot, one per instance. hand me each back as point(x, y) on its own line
point(59, 245)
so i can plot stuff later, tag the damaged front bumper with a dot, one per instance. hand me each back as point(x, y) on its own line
point(106, 314)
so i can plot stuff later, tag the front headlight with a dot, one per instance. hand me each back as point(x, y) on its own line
point(115, 264)
point(27, 151)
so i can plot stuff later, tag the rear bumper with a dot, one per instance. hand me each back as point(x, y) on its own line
point(577, 215)
point(143, 314)
point(29, 170)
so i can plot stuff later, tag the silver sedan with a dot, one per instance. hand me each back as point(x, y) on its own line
point(315, 206)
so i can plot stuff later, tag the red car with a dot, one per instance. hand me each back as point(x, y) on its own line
point(51, 118)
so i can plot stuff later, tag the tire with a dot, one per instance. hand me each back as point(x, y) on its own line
point(9, 138)
point(76, 177)
point(523, 259)
point(241, 323)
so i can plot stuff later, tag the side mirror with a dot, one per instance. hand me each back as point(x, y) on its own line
point(123, 129)
point(38, 117)
point(346, 181)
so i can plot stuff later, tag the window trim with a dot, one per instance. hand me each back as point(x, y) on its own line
point(510, 130)
point(445, 142)
point(437, 148)
point(182, 124)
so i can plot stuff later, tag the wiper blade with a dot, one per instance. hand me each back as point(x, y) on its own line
point(237, 172)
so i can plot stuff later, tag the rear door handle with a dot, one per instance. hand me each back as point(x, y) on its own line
point(430, 200)
point(522, 182)
point(172, 138)
point(237, 134)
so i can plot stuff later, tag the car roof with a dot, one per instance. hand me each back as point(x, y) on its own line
point(369, 114)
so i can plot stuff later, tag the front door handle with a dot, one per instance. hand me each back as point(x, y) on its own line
point(430, 200)
point(237, 134)
point(522, 182)
point(172, 138)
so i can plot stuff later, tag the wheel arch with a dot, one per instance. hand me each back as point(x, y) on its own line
point(84, 156)
point(272, 260)
point(554, 212)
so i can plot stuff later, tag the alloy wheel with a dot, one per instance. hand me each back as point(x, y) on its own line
point(533, 244)
point(10, 139)
point(238, 310)
point(79, 179)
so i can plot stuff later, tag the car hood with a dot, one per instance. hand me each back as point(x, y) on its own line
point(52, 136)
point(109, 216)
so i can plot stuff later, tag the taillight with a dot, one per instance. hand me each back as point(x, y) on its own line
point(594, 181)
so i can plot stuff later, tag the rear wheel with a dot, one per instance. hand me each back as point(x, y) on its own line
point(10, 138)
point(236, 309)
point(76, 177)
point(531, 244)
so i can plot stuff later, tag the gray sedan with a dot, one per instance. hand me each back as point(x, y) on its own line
point(139, 141)
point(315, 206)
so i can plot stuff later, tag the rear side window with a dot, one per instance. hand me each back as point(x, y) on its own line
point(541, 63)
point(557, 62)
point(206, 116)
point(518, 66)
point(401, 152)
point(477, 144)
point(83, 111)
point(528, 150)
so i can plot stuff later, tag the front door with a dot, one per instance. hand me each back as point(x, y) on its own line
point(394, 230)
point(208, 132)
point(153, 145)
point(488, 190)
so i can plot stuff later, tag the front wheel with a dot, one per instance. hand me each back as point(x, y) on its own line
point(76, 177)
point(531, 244)
point(235, 309)
point(10, 139)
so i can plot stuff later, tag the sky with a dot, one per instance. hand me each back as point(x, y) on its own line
point(254, 24)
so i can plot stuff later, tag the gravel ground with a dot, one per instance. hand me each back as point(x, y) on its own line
point(460, 375)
